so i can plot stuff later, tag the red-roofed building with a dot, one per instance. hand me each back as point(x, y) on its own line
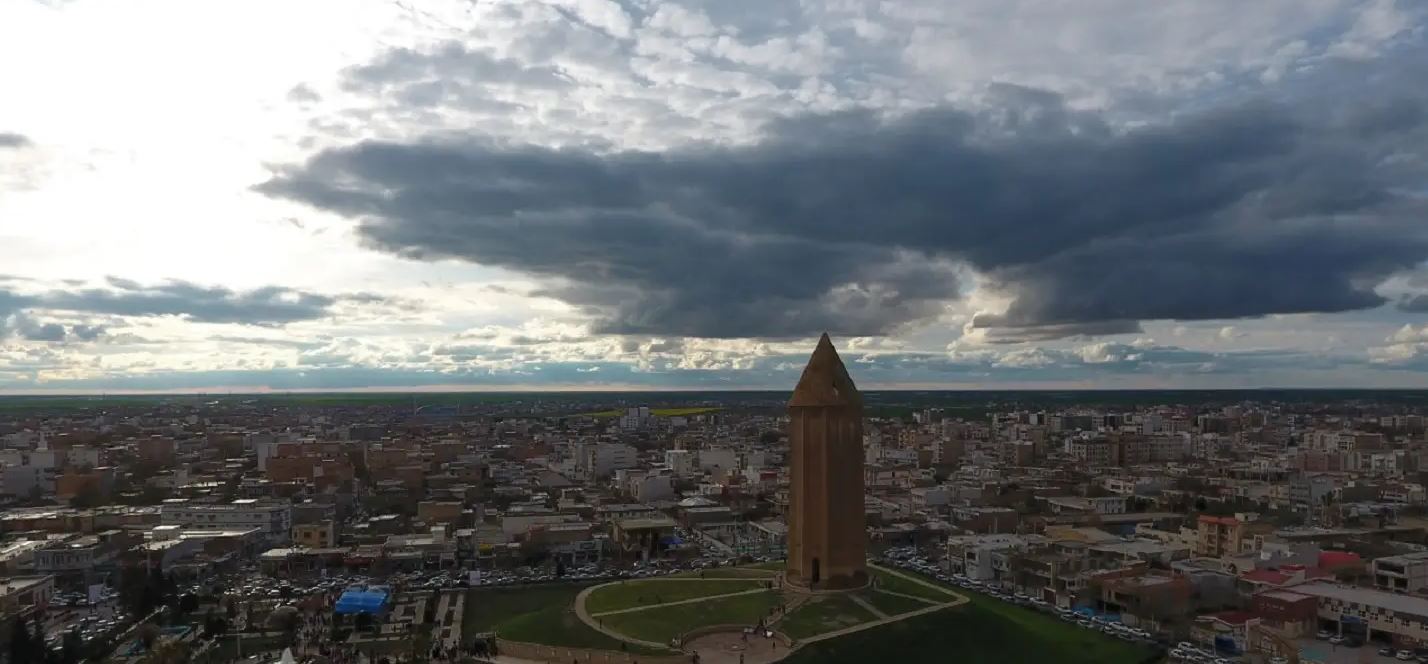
point(1288, 575)
point(1336, 559)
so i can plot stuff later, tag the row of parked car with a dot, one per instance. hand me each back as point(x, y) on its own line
point(88, 629)
point(80, 598)
point(1355, 641)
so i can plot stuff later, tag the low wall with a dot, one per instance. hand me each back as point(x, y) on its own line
point(737, 629)
point(560, 655)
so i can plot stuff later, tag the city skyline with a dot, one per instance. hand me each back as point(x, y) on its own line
point(649, 195)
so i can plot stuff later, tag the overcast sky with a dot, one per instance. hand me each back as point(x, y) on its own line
point(342, 194)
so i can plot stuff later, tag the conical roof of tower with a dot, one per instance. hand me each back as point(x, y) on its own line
point(825, 381)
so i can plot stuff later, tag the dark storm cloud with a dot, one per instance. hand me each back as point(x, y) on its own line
point(1048, 332)
point(13, 140)
point(1417, 304)
point(272, 305)
point(852, 222)
point(32, 330)
point(25, 327)
point(268, 306)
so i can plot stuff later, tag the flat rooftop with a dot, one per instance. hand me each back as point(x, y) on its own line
point(1414, 606)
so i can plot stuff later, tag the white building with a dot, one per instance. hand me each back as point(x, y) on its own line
point(1401, 617)
point(718, 457)
point(1407, 573)
point(649, 488)
point(23, 480)
point(985, 557)
point(272, 518)
point(680, 462)
point(596, 460)
point(85, 457)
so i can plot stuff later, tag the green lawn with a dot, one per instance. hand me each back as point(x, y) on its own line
point(775, 565)
point(824, 614)
point(742, 572)
point(661, 625)
point(982, 631)
point(630, 594)
point(537, 614)
point(893, 604)
point(897, 584)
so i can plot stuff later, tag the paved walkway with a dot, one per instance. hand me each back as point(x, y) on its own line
point(693, 600)
point(448, 634)
point(919, 598)
point(733, 648)
point(877, 613)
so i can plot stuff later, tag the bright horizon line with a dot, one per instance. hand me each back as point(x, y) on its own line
point(636, 389)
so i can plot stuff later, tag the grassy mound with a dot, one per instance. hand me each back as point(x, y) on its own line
point(537, 614)
point(632, 594)
point(662, 624)
point(823, 614)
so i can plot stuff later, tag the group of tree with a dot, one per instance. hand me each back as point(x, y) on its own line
point(144, 589)
point(27, 645)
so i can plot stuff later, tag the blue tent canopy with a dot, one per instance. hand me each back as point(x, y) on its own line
point(362, 600)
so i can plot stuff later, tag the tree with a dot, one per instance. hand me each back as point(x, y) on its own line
point(213, 626)
point(37, 494)
point(363, 622)
point(88, 496)
point(22, 645)
point(166, 651)
point(287, 620)
point(148, 635)
point(72, 648)
point(188, 603)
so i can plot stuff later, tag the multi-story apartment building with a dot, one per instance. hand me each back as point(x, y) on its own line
point(272, 518)
point(79, 561)
point(598, 460)
point(987, 557)
point(314, 535)
point(1094, 452)
point(1218, 536)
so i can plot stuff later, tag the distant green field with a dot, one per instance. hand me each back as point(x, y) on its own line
point(821, 615)
point(630, 594)
point(536, 614)
point(663, 624)
point(657, 412)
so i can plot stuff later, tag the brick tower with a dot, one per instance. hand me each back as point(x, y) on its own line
point(826, 535)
